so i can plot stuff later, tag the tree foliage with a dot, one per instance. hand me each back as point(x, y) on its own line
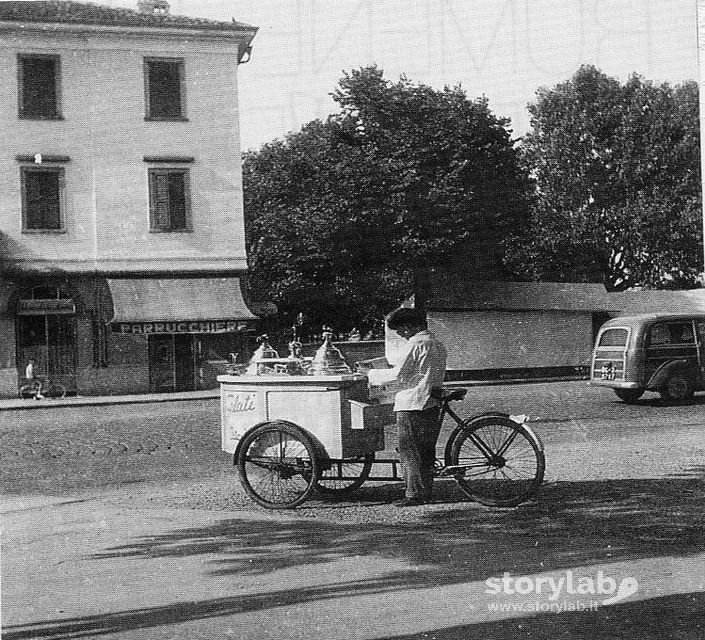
point(341, 215)
point(617, 171)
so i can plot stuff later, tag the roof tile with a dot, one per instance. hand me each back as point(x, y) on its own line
point(66, 11)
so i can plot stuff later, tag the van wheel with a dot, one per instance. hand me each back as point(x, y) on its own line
point(678, 388)
point(629, 395)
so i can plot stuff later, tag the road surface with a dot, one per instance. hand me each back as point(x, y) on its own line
point(127, 522)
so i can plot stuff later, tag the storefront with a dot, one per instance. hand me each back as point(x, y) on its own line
point(100, 336)
point(191, 327)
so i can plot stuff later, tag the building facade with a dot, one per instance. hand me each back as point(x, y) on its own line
point(524, 330)
point(121, 222)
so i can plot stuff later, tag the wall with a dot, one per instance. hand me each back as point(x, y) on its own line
point(127, 371)
point(479, 340)
point(105, 134)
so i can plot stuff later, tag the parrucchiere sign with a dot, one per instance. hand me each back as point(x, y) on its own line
point(196, 326)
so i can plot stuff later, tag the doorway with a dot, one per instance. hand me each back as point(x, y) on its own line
point(171, 363)
point(49, 339)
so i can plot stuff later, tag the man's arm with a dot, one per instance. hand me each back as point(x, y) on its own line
point(407, 373)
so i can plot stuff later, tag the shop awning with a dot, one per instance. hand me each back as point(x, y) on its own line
point(182, 300)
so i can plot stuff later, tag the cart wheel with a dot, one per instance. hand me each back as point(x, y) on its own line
point(345, 476)
point(277, 465)
point(502, 461)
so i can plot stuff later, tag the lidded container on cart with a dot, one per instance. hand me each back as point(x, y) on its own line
point(322, 397)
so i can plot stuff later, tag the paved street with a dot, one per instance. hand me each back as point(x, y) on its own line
point(126, 521)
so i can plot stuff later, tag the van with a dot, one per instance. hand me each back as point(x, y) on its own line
point(660, 352)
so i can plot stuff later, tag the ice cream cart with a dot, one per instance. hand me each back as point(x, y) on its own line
point(294, 427)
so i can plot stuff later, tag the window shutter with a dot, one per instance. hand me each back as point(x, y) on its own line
point(43, 200)
point(164, 89)
point(160, 199)
point(177, 200)
point(39, 98)
point(52, 218)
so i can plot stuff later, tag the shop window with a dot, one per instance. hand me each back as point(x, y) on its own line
point(44, 292)
point(51, 341)
point(164, 87)
point(42, 195)
point(169, 199)
point(39, 83)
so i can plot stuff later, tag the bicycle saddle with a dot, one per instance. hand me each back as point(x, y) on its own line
point(454, 394)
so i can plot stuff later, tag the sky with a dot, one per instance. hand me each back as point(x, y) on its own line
point(503, 49)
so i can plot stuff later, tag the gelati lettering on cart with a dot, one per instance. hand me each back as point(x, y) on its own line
point(241, 402)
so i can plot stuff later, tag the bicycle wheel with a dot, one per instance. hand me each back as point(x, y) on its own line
point(277, 465)
point(27, 391)
point(501, 462)
point(55, 390)
point(345, 476)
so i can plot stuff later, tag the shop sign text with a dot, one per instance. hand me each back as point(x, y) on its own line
point(199, 326)
point(240, 402)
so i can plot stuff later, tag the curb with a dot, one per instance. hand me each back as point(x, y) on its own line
point(491, 383)
point(213, 394)
point(98, 401)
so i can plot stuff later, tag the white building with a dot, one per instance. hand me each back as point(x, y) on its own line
point(121, 220)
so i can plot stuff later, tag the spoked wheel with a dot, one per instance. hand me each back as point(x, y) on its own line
point(277, 465)
point(27, 391)
point(56, 390)
point(345, 476)
point(500, 462)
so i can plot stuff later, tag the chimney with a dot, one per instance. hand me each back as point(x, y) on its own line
point(153, 7)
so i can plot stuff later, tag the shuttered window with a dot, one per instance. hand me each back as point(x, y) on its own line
point(169, 199)
point(41, 198)
point(164, 86)
point(38, 91)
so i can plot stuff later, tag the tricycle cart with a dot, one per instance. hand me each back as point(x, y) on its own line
point(293, 434)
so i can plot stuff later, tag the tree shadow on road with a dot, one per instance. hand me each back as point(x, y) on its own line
point(572, 524)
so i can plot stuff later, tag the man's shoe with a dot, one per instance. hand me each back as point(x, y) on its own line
point(409, 502)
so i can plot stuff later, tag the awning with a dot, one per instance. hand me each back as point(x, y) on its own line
point(190, 303)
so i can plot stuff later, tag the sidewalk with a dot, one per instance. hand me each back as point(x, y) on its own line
point(210, 394)
point(72, 401)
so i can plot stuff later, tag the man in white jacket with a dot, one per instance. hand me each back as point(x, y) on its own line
point(420, 372)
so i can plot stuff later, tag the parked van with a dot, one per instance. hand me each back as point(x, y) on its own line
point(656, 352)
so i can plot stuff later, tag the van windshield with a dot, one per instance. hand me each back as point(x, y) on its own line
point(614, 338)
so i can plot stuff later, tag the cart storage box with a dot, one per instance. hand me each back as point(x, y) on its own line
point(318, 404)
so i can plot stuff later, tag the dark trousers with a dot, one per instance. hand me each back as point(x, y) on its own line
point(417, 433)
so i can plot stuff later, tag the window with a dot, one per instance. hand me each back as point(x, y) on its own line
point(42, 194)
point(169, 199)
point(672, 333)
point(614, 338)
point(38, 80)
point(164, 86)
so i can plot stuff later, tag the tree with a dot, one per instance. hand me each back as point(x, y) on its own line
point(343, 215)
point(617, 171)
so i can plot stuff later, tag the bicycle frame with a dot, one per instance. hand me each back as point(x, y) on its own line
point(443, 467)
point(462, 424)
point(490, 475)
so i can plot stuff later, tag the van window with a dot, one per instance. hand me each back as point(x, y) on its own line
point(614, 338)
point(671, 333)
